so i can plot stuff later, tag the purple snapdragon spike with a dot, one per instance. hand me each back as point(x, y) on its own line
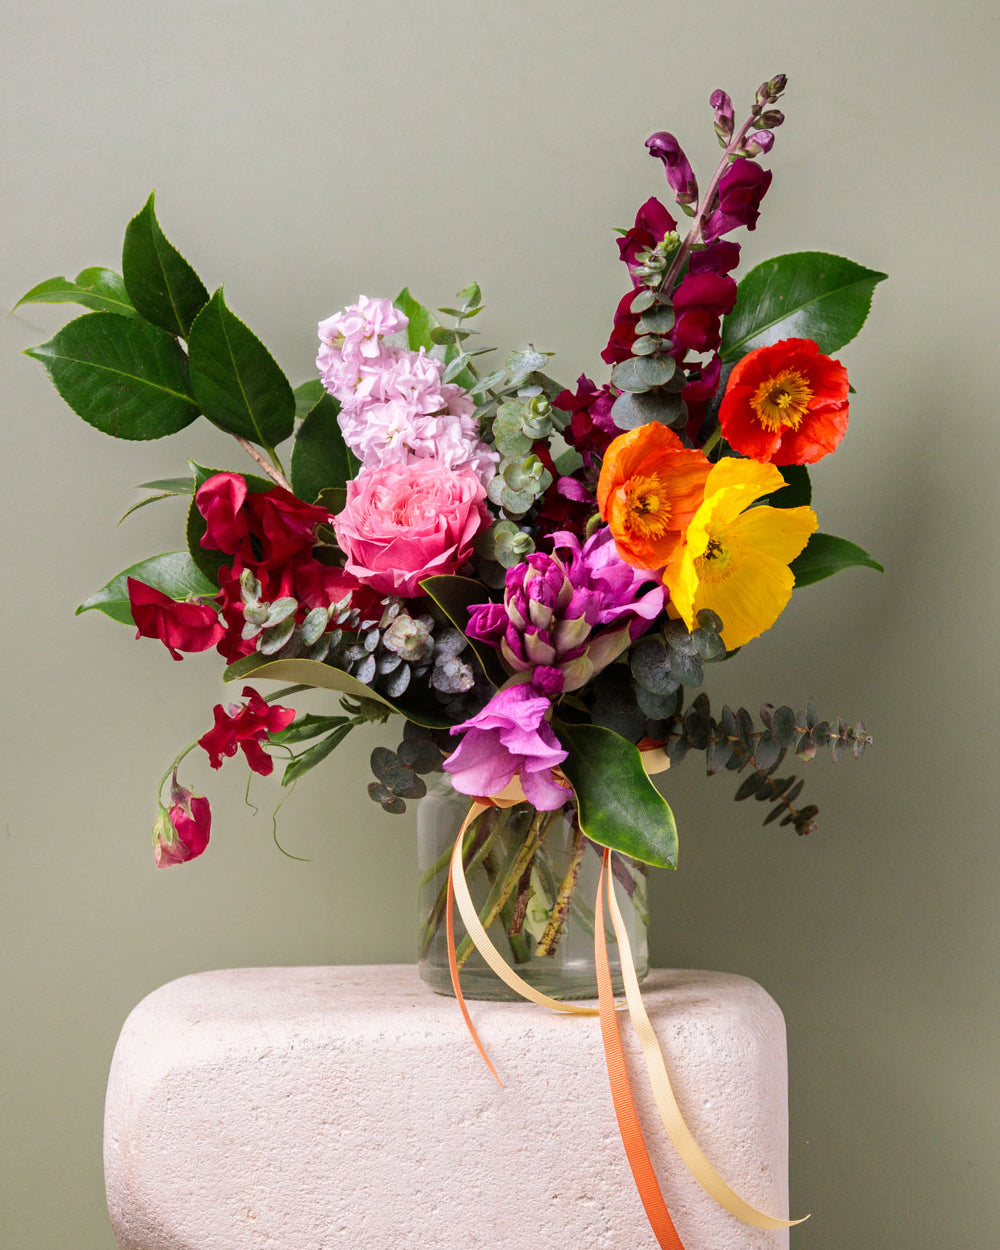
point(741, 189)
point(573, 611)
point(509, 737)
point(676, 166)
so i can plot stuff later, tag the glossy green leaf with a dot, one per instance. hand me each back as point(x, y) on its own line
point(99, 289)
point(798, 491)
point(235, 378)
point(122, 375)
point(618, 804)
point(320, 457)
point(160, 282)
point(308, 726)
point(307, 396)
point(170, 485)
point(421, 320)
point(810, 295)
point(825, 555)
point(326, 677)
point(454, 596)
point(315, 754)
point(174, 573)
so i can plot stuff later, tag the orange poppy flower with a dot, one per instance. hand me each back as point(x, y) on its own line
point(785, 404)
point(651, 485)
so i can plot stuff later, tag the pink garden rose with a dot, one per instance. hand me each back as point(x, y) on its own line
point(405, 522)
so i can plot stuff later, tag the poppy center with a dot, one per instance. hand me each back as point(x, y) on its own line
point(647, 509)
point(713, 563)
point(781, 402)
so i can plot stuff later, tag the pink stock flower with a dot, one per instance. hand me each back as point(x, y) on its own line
point(179, 626)
point(405, 522)
point(353, 338)
point(181, 832)
point(245, 726)
point(509, 737)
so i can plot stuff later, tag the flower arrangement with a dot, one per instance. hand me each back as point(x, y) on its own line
point(532, 576)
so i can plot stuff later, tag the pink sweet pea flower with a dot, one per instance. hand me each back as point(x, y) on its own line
point(179, 626)
point(509, 737)
point(245, 726)
point(181, 832)
point(405, 522)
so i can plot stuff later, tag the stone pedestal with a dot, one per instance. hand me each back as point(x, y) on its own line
point(319, 1108)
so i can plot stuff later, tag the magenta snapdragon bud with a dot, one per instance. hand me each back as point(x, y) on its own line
point(758, 143)
point(725, 117)
point(676, 165)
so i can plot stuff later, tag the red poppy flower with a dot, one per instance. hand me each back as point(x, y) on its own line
point(785, 404)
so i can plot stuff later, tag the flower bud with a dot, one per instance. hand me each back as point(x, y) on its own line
point(768, 92)
point(725, 118)
point(680, 176)
point(181, 832)
point(772, 117)
point(759, 143)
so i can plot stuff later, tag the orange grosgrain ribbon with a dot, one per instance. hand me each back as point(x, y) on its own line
point(666, 1102)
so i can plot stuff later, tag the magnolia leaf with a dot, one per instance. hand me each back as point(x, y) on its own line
point(454, 596)
point(825, 555)
point(101, 290)
point(235, 378)
point(122, 375)
point(174, 573)
point(160, 282)
point(315, 754)
point(320, 457)
point(618, 804)
point(804, 295)
point(421, 321)
point(325, 677)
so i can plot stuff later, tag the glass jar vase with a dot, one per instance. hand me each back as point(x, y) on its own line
point(533, 878)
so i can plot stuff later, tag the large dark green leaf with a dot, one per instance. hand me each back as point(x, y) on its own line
point(326, 677)
point(421, 320)
point(96, 288)
point(174, 573)
point(825, 555)
point(797, 492)
point(235, 378)
point(454, 596)
point(160, 282)
point(122, 375)
point(803, 295)
point(320, 457)
point(618, 804)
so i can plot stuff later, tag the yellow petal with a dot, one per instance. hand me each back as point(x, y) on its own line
point(778, 532)
point(750, 600)
point(761, 479)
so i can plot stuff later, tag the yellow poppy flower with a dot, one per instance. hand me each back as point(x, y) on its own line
point(735, 557)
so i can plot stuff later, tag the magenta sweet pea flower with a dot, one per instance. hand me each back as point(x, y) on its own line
point(509, 737)
point(245, 726)
point(182, 830)
point(179, 626)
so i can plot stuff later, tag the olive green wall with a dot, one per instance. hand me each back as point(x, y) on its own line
point(304, 152)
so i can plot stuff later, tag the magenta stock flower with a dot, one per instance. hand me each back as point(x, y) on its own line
point(405, 522)
point(179, 626)
point(181, 831)
point(245, 726)
point(509, 737)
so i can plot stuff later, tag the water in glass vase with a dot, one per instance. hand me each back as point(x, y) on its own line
point(533, 879)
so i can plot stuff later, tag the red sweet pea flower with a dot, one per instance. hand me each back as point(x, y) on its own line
point(785, 404)
point(179, 626)
point(245, 726)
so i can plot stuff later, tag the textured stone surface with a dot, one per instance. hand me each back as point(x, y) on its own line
point(314, 1108)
